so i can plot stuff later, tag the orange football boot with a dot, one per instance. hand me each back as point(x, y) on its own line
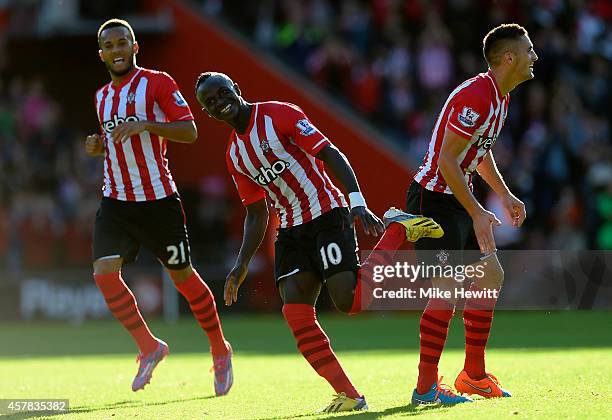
point(488, 387)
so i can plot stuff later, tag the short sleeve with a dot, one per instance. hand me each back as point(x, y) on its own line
point(468, 113)
point(171, 101)
point(296, 125)
point(248, 190)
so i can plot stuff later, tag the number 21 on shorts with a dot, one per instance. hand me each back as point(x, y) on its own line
point(177, 254)
point(330, 254)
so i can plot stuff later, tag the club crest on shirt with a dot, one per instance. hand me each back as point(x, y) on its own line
point(265, 145)
point(178, 98)
point(131, 98)
point(305, 127)
point(468, 117)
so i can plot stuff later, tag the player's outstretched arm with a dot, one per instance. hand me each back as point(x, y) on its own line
point(489, 172)
point(339, 166)
point(255, 225)
point(178, 131)
point(94, 146)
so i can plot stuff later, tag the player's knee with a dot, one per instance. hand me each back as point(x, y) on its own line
point(301, 288)
point(180, 276)
point(341, 288)
point(107, 265)
point(493, 279)
point(500, 277)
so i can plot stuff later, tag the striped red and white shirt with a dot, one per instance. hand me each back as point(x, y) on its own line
point(137, 170)
point(275, 157)
point(476, 111)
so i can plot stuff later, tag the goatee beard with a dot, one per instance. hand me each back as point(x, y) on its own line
point(120, 73)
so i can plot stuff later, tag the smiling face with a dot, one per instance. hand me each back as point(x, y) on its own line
point(220, 98)
point(524, 59)
point(117, 50)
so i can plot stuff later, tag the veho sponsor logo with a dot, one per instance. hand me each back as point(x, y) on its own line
point(486, 142)
point(267, 175)
point(109, 125)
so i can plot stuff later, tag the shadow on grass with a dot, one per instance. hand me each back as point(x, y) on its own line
point(118, 405)
point(406, 410)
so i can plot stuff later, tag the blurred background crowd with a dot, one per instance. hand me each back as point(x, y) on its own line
point(395, 62)
point(49, 188)
point(392, 62)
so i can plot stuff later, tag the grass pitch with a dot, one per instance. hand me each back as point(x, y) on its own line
point(558, 365)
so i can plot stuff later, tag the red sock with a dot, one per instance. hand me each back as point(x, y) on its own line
point(315, 347)
point(122, 305)
point(382, 254)
point(393, 238)
point(477, 319)
point(202, 304)
point(433, 331)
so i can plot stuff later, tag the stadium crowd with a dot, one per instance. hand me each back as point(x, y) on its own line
point(393, 62)
point(396, 61)
point(48, 188)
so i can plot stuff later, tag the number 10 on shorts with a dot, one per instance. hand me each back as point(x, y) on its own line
point(330, 254)
point(175, 252)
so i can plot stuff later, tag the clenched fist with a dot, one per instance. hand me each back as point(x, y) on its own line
point(94, 145)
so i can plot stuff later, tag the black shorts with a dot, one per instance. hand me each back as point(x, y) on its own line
point(326, 245)
point(121, 227)
point(459, 240)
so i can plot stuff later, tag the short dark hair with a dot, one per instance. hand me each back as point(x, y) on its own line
point(114, 23)
point(497, 39)
point(204, 76)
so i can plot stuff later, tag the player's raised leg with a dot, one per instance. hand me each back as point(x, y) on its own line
point(351, 291)
point(122, 304)
point(477, 319)
point(299, 293)
point(202, 304)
